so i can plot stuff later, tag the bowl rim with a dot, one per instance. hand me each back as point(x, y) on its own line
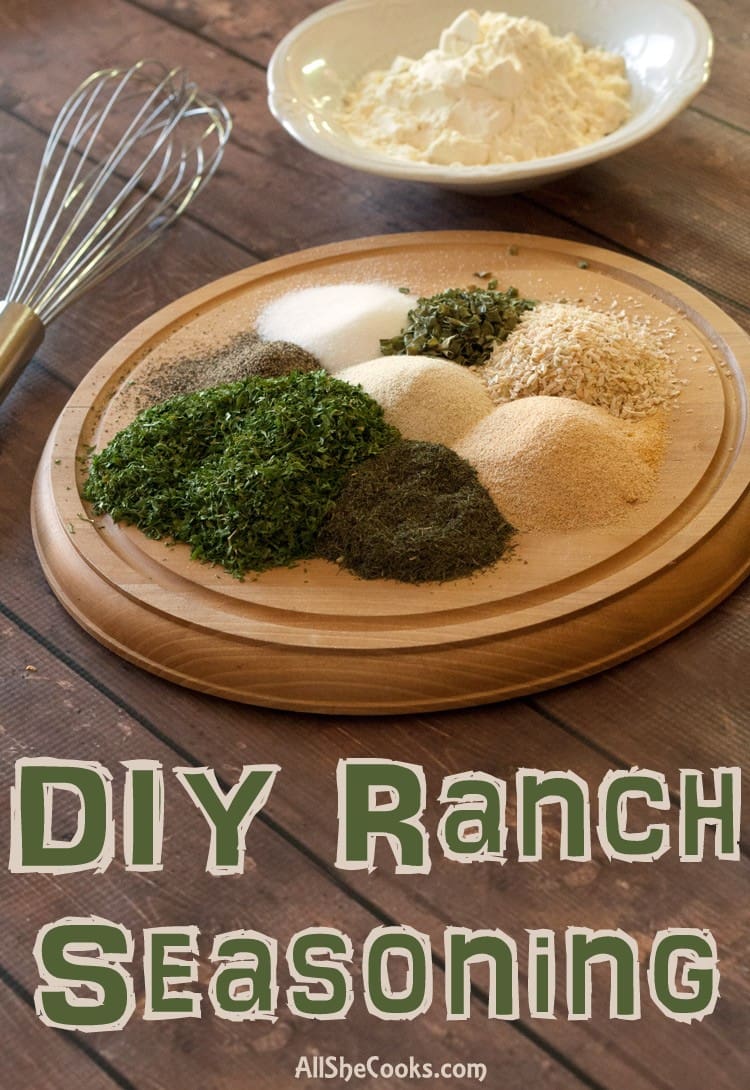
point(292, 115)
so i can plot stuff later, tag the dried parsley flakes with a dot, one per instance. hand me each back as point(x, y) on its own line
point(460, 324)
point(245, 472)
point(417, 513)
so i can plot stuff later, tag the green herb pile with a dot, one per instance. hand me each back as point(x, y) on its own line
point(460, 324)
point(244, 473)
point(417, 513)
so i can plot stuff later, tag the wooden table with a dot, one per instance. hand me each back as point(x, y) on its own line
point(680, 201)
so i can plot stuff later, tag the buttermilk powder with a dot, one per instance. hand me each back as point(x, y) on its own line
point(497, 89)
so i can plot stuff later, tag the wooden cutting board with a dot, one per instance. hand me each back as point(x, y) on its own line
point(314, 638)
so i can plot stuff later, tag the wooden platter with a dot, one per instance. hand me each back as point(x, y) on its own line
point(314, 638)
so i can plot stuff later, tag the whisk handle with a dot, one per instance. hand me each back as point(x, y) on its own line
point(21, 333)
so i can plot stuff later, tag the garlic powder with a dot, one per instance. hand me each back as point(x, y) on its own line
point(498, 89)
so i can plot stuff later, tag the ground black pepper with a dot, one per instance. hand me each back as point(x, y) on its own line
point(272, 358)
point(244, 355)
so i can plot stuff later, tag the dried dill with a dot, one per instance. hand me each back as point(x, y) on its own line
point(245, 472)
point(460, 324)
point(416, 513)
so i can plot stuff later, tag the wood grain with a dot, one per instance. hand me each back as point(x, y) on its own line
point(684, 703)
point(280, 892)
point(59, 1065)
point(315, 639)
point(262, 162)
point(183, 259)
point(254, 33)
point(514, 896)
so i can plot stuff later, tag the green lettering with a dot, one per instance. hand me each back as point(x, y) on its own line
point(700, 977)
point(696, 812)
point(34, 848)
point(77, 951)
point(629, 845)
point(228, 814)
point(245, 988)
point(473, 830)
point(363, 818)
point(381, 999)
point(621, 951)
point(160, 970)
point(335, 998)
point(143, 816)
point(535, 789)
point(498, 950)
point(542, 974)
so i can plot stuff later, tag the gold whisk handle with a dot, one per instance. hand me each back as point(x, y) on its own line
point(21, 333)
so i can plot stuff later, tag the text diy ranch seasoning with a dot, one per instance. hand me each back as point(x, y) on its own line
point(381, 804)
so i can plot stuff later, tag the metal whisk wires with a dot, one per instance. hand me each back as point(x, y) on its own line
point(127, 154)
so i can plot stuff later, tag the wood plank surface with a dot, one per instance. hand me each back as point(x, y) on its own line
point(280, 892)
point(715, 156)
point(679, 201)
point(497, 740)
point(545, 894)
point(253, 33)
point(61, 1063)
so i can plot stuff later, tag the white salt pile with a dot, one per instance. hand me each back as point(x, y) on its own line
point(553, 463)
point(341, 324)
point(570, 351)
point(424, 397)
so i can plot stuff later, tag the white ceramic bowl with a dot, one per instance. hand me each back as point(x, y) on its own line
point(666, 44)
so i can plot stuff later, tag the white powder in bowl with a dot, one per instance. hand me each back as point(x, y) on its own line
point(497, 89)
point(424, 397)
point(341, 324)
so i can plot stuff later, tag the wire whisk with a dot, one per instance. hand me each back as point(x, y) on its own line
point(128, 152)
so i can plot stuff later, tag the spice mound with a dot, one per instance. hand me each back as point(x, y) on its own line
point(416, 513)
point(242, 356)
point(425, 398)
point(243, 473)
point(341, 324)
point(570, 351)
point(460, 324)
point(273, 358)
point(553, 463)
point(497, 89)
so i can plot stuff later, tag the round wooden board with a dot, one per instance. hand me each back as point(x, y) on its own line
point(314, 638)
